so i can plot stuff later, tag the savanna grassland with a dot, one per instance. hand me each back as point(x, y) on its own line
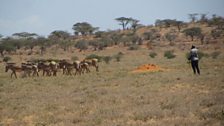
point(116, 97)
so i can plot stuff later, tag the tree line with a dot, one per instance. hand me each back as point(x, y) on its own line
point(103, 39)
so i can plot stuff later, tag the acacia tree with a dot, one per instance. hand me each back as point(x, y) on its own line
point(151, 35)
point(170, 37)
point(217, 21)
point(65, 44)
point(134, 23)
point(24, 39)
point(169, 22)
point(59, 35)
point(215, 33)
point(30, 44)
point(61, 38)
point(123, 21)
point(159, 23)
point(193, 32)
point(203, 18)
point(178, 24)
point(115, 37)
point(25, 35)
point(2, 49)
point(82, 45)
point(42, 42)
point(84, 28)
point(6, 45)
point(193, 17)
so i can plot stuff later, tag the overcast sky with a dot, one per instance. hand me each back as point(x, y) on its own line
point(44, 16)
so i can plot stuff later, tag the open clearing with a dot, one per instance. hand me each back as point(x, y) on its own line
point(117, 97)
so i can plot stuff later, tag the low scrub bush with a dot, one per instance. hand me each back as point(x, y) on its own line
point(82, 45)
point(91, 56)
point(215, 54)
point(107, 59)
point(133, 47)
point(169, 54)
point(118, 56)
point(152, 54)
point(120, 53)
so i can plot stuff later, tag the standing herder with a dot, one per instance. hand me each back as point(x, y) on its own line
point(193, 57)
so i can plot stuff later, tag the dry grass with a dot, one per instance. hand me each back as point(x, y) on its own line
point(116, 97)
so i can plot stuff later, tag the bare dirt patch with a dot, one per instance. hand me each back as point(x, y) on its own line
point(147, 68)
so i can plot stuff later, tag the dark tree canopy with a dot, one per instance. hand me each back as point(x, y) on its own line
point(123, 21)
point(217, 21)
point(193, 17)
point(82, 45)
point(7, 45)
point(84, 28)
point(170, 36)
point(25, 35)
point(192, 32)
point(203, 18)
point(168, 23)
point(58, 34)
point(134, 23)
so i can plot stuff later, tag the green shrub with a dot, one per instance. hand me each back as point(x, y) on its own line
point(133, 47)
point(107, 59)
point(192, 32)
point(118, 56)
point(82, 45)
point(91, 56)
point(152, 54)
point(103, 43)
point(216, 33)
point(99, 34)
point(215, 54)
point(6, 59)
point(120, 53)
point(169, 54)
point(170, 37)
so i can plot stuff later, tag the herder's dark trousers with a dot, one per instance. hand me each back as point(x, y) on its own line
point(195, 67)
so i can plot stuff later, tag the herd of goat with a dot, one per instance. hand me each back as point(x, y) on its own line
point(50, 67)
